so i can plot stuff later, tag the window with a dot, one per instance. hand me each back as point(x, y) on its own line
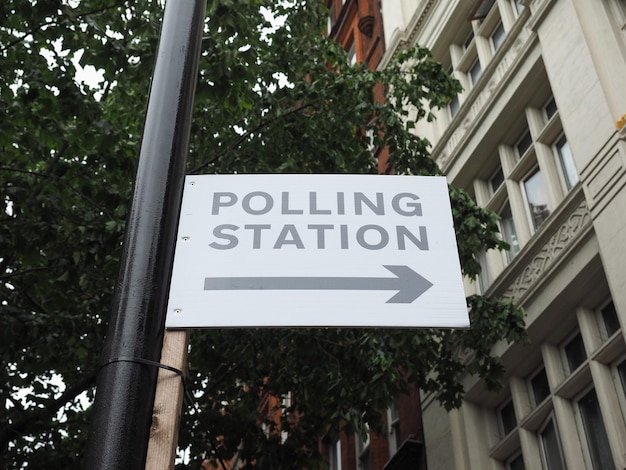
point(454, 106)
point(517, 6)
point(595, 432)
point(517, 463)
point(363, 451)
point(497, 36)
point(496, 180)
point(551, 447)
point(536, 198)
point(524, 143)
point(464, 58)
point(475, 71)
point(550, 108)
point(484, 279)
point(468, 40)
point(335, 455)
point(527, 179)
point(540, 387)
point(507, 418)
point(352, 55)
point(609, 319)
point(567, 162)
point(507, 230)
point(393, 419)
point(330, 20)
point(575, 352)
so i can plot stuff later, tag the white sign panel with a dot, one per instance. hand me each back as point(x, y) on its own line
point(316, 250)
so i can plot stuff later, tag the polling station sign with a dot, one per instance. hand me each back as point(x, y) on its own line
point(316, 250)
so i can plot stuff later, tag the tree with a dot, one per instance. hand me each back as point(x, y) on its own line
point(273, 96)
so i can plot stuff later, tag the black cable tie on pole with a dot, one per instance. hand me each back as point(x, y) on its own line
point(147, 362)
point(187, 395)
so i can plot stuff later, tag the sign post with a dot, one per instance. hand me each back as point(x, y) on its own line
point(122, 413)
point(316, 250)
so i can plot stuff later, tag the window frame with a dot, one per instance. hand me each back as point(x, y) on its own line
point(393, 427)
point(535, 170)
point(351, 53)
point(517, 7)
point(335, 454)
point(565, 163)
point(569, 340)
point(618, 374)
point(585, 434)
point(505, 428)
point(524, 136)
point(495, 45)
point(514, 245)
point(551, 420)
point(513, 459)
point(602, 323)
point(475, 71)
point(531, 388)
point(363, 450)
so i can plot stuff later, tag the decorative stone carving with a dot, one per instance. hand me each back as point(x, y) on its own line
point(565, 235)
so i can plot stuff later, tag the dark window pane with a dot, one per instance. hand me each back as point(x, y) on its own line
point(597, 440)
point(524, 143)
point(496, 180)
point(552, 448)
point(609, 315)
point(517, 463)
point(550, 108)
point(469, 39)
point(541, 389)
point(507, 416)
point(575, 352)
point(475, 71)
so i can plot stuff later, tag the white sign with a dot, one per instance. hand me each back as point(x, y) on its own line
point(316, 250)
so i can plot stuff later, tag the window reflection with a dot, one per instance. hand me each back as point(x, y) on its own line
point(537, 198)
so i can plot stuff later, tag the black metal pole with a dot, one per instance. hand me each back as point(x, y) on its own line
point(122, 414)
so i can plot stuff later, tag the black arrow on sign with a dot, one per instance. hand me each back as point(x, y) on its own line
point(407, 282)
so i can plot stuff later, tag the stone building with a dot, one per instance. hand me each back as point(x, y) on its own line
point(538, 135)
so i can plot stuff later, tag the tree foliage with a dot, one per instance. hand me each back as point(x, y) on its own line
point(273, 96)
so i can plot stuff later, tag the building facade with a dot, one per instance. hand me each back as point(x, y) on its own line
point(538, 136)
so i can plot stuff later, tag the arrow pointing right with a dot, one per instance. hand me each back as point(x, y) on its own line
point(407, 282)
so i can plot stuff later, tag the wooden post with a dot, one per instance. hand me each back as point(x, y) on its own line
point(168, 402)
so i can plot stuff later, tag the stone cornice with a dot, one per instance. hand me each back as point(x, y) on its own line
point(403, 39)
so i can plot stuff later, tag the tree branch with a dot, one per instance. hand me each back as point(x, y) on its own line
point(7, 276)
point(55, 23)
point(12, 431)
point(247, 134)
